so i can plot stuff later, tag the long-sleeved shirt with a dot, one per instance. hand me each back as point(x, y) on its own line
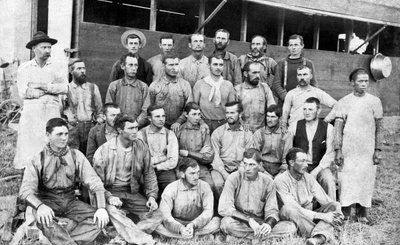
point(173, 95)
point(194, 204)
point(51, 174)
point(157, 66)
point(162, 145)
point(232, 71)
point(84, 101)
point(105, 162)
point(209, 110)
point(144, 72)
point(132, 97)
point(272, 144)
point(268, 66)
point(229, 146)
point(192, 70)
point(292, 110)
point(300, 193)
point(196, 141)
point(255, 101)
point(243, 198)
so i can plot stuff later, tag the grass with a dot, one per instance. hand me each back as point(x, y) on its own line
point(385, 209)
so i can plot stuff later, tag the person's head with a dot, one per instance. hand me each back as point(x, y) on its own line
point(196, 42)
point(126, 126)
point(359, 79)
point(233, 111)
point(57, 133)
point(167, 43)
point(216, 65)
point(297, 161)
point(311, 109)
point(171, 65)
point(189, 171)
point(77, 69)
point(193, 113)
point(111, 110)
point(258, 45)
point(133, 43)
point(251, 73)
point(304, 76)
point(272, 116)
point(295, 45)
point(221, 39)
point(251, 162)
point(42, 51)
point(129, 63)
point(156, 116)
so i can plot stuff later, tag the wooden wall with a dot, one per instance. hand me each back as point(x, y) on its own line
point(100, 47)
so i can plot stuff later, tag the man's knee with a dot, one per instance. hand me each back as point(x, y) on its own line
point(284, 228)
point(226, 224)
point(289, 212)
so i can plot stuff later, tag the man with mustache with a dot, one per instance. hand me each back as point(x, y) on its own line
point(258, 50)
point(292, 110)
point(83, 106)
point(232, 71)
point(166, 45)
point(254, 96)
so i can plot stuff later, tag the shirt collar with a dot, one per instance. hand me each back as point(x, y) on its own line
point(308, 89)
point(183, 187)
point(261, 58)
point(162, 131)
point(133, 84)
point(240, 128)
point(202, 60)
point(248, 86)
point(75, 85)
point(188, 125)
point(274, 130)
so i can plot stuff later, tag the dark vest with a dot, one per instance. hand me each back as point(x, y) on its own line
point(318, 143)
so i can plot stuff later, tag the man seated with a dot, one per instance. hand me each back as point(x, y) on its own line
point(123, 163)
point(188, 205)
point(48, 186)
point(248, 203)
point(298, 191)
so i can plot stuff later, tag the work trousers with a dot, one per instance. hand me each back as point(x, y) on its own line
point(164, 178)
point(78, 135)
point(210, 228)
point(326, 179)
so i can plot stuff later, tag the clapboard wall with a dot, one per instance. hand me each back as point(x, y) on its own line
point(100, 47)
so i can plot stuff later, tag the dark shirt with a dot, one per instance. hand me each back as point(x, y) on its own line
point(144, 71)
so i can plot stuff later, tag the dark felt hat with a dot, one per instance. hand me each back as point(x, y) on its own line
point(40, 37)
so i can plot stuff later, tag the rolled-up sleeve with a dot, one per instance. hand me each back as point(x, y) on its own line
point(172, 153)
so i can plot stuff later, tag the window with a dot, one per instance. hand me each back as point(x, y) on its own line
point(177, 16)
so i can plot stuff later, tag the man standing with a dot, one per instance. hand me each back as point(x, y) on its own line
point(129, 92)
point(254, 96)
point(188, 205)
point(101, 133)
point(212, 93)
point(315, 137)
point(298, 191)
point(48, 187)
point(229, 142)
point(171, 92)
point(232, 71)
point(248, 203)
point(40, 82)
point(163, 145)
point(83, 106)
point(294, 100)
point(133, 41)
point(258, 50)
point(166, 45)
point(195, 66)
point(286, 71)
point(358, 142)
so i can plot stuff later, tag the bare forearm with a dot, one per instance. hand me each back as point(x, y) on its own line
point(378, 133)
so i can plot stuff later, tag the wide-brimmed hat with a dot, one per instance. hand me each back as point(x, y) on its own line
point(40, 37)
point(134, 32)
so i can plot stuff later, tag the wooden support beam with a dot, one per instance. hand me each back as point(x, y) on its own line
point(281, 27)
point(243, 22)
point(349, 26)
point(153, 15)
point(316, 31)
point(202, 14)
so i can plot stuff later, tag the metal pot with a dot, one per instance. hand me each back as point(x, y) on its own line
point(381, 66)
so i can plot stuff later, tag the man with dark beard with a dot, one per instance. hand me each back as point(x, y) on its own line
point(83, 107)
point(232, 68)
point(254, 96)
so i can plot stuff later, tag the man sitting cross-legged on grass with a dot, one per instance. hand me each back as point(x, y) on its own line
point(188, 205)
point(48, 186)
point(248, 203)
point(298, 190)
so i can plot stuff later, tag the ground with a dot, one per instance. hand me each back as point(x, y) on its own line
point(385, 208)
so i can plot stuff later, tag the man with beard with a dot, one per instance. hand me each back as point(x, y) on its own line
point(130, 93)
point(232, 71)
point(229, 142)
point(166, 45)
point(212, 93)
point(83, 106)
point(258, 48)
point(195, 66)
point(254, 96)
point(294, 101)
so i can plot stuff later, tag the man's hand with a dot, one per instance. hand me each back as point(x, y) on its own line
point(377, 157)
point(190, 229)
point(175, 127)
point(265, 229)
point(255, 226)
point(185, 233)
point(101, 218)
point(152, 204)
point(45, 215)
point(183, 153)
point(332, 218)
point(339, 158)
point(115, 201)
point(99, 120)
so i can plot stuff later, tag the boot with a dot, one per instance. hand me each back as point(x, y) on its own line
point(316, 240)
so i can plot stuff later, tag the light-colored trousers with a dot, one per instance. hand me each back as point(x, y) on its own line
point(210, 228)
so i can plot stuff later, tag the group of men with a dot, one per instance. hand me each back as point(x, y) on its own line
point(190, 147)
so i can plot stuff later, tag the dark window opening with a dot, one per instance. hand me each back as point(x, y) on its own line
point(330, 28)
point(42, 15)
point(301, 24)
point(262, 20)
point(177, 16)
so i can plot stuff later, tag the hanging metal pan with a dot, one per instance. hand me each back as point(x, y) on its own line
point(381, 66)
